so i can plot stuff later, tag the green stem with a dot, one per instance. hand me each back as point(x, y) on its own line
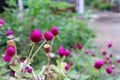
point(2, 69)
point(38, 50)
point(52, 42)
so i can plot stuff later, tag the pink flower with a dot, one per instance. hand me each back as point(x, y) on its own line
point(93, 54)
point(29, 70)
point(118, 60)
point(67, 53)
point(104, 52)
point(98, 64)
point(87, 51)
point(10, 51)
point(48, 36)
point(74, 46)
point(67, 67)
point(10, 32)
point(80, 46)
point(7, 58)
point(109, 70)
point(109, 45)
point(36, 36)
point(61, 51)
point(54, 30)
point(12, 73)
point(107, 58)
point(2, 22)
point(111, 55)
point(71, 63)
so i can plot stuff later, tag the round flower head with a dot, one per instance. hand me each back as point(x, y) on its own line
point(48, 36)
point(10, 51)
point(104, 52)
point(109, 70)
point(67, 53)
point(109, 45)
point(98, 64)
point(87, 51)
point(67, 67)
point(111, 55)
point(71, 63)
point(93, 54)
point(36, 36)
point(118, 60)
point(29, 70)
point(74, 46)
point(10, 32)
point(61, 51)
point(54, 30)
point(107, 58)
point(12, 73)
point(80, 46)
point(2, 22)
point(7, 58)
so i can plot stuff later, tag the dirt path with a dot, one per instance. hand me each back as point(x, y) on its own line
point(107, 28)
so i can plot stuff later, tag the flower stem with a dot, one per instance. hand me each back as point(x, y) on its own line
point(38, 50)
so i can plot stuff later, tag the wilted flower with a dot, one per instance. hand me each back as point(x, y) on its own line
point(47, 48)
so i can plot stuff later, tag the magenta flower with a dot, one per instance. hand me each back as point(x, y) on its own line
point(109, 70)
point(111, 55)
point(109, 45)
point(12, 73)
point(93, 54)
point(107, 58)
point(2, 22)
point(61, 51)
point(10, 51)
point(67, 67)
point(104, 52)
point(54, 30)
point(48, 36)
point(71, 63)
point(29, 70)
point(118, 60)
point(98, 64)
point(67, 53)
point(10, 32)
point(36, 36)
point(80, 46)
point(87, 51)
point(74, 46)
point(7, 58)
point(110, 62)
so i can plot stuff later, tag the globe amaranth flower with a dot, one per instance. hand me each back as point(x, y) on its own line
point(74, 46)
point(118, 60)
point(93, 54)
point(47, 48)
point(87, 51)
point(111, 55)
point(67, 67)
point(109, 70)
point(10, 51)
point(61, 51)
point(54, 30)
point(66, 53)
point(36, 36)
point(80, 46)
point(7, 58)
point(104, 52)
point(98, 64)
point(71, 63)
point(48, 35)
point(109, 45)
point(10, 32)
point(29, 70)
point(2, 22)
point(12, 73)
